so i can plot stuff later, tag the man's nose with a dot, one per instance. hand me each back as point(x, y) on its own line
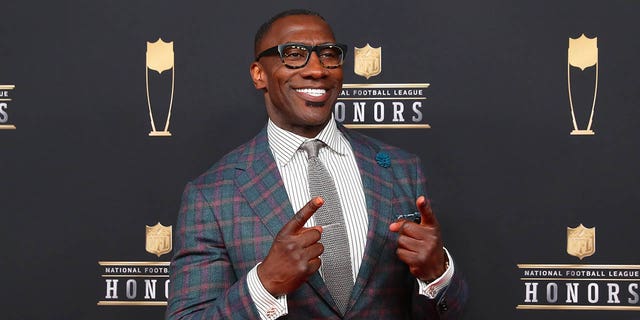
point(314, 67)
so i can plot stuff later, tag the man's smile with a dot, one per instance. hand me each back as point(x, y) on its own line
point(313, 96)
point(312, 92)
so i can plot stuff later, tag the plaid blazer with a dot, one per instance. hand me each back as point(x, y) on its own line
point(231, 213)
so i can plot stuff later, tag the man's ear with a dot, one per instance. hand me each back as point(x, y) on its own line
point(258, 75)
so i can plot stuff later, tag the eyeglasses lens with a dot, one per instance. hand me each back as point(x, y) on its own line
point(297, 56)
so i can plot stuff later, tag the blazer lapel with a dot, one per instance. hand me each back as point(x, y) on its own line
point(378, 191)
point(259, 180)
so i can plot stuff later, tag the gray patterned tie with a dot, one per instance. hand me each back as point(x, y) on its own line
point(336, 259)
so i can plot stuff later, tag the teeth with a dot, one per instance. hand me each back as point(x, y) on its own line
point(312, 92)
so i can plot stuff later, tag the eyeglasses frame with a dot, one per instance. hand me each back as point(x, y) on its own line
point(277, 50)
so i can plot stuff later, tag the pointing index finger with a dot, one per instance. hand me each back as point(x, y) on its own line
point(426, 214)
point(300, 218)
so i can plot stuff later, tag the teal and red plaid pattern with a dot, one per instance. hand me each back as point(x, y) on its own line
point(231, 213)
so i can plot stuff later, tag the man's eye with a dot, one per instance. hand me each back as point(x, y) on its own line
point(329, 53)
point(295, 53)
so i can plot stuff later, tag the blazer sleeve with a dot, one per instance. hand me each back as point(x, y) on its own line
point(203, 284)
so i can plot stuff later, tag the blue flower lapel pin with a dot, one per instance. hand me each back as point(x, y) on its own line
point(383, 159)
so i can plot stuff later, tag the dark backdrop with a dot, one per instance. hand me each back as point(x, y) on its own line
point(80, 177)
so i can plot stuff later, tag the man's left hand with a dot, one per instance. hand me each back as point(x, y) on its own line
point(420, 245)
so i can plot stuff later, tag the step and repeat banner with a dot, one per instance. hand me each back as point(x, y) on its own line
point(525, 114)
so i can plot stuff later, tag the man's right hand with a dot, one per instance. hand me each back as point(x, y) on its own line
point(294, 254)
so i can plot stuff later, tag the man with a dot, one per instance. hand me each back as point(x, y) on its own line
point(253, 243)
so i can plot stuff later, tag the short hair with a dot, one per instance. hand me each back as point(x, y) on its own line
point(265, 27)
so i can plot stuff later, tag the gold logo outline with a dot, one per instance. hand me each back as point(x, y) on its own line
point(581, 241)
point(367, 61)
point(582, 53)
point(159, 239)
point(160, 57)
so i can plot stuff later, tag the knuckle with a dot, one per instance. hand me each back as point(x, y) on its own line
point(422, 257)
point(302, 267)
point(317, 235)
point(290, 246)
point(406, 227)
point(299, 217)
point(404, 241)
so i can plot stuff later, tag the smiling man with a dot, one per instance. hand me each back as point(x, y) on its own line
point(300, 87)
point(302, 222)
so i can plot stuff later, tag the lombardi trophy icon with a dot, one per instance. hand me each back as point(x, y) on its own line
point(160, 58)
point(582, 53)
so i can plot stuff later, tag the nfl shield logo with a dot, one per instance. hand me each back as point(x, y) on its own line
point(368, 61)
point(583, 52)
point(159, 239)
point(160, 55)
point(581, 241)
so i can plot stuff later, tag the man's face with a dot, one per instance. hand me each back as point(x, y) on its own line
point(297, 100)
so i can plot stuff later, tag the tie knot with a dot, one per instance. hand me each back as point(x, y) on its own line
point(312, 147)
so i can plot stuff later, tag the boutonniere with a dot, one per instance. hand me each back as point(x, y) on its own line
point(383, 159)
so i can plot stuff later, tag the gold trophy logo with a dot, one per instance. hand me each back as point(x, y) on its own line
point(367, 61)
point(581, 241)
point(582, 53)
point(160, 58)
point(159, 239)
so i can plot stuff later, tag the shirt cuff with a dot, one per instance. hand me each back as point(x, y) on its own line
point(269, 307)
point(433, 288)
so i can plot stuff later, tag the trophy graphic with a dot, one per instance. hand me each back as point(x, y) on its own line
point(160, 58)
point(582, 53)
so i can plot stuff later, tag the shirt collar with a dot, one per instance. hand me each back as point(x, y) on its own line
point(284, 144)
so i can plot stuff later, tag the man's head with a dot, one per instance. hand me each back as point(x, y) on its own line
point(299, 96)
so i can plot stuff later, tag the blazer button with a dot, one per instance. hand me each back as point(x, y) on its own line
point(443, 306)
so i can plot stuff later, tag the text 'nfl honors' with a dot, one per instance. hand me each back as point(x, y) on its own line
point(379, 105)
point(580, 286)
point(139, 283)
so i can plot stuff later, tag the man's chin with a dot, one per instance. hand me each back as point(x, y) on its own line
point(317, 121)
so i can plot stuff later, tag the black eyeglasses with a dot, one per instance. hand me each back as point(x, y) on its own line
point(296, 55)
